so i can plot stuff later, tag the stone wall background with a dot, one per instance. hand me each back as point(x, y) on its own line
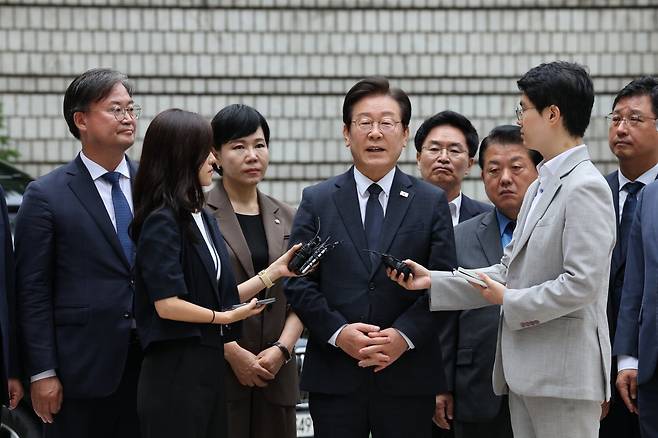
point(293, 60)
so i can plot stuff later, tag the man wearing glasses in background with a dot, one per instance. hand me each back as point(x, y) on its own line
point(74, 281)
point(446, 145)
point(633, 138)
point(373, 359)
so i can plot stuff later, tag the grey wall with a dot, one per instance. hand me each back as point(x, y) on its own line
point(294, 60)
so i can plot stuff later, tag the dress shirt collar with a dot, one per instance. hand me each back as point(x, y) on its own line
point(502, 222)
point(549, 168)
point(363, 182)
point(646, 178)
point(455, 205)
point(96, 170)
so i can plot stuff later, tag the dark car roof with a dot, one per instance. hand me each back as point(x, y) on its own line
point(14, 182)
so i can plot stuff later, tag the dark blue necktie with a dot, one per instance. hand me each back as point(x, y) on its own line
point(506, 238)
point(122, 214)
point(627, 213)
point(374, 220)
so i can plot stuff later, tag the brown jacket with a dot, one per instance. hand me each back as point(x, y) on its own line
point(258, 333)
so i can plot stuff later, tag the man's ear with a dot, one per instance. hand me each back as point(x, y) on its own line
point(80, 120)
point(553, 113)
point(346, 135)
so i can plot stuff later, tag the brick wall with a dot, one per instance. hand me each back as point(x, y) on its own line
point(293, 60)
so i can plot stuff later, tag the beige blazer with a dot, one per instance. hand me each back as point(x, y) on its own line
point(277, 220)
point(553, 338)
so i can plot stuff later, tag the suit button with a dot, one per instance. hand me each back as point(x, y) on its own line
point(371, 286)
point(127, 315)
point(132, 282)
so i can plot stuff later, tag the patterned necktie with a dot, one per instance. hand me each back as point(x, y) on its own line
point(627, 213)
point(122, 214)
point(506, 238)
point(374, 220)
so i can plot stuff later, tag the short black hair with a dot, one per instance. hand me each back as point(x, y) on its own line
point(563, 84)
point(644, 86)
point(453, 119)
point(237, 121)
point(91, 86)
point(376, 86)
point(506, 134)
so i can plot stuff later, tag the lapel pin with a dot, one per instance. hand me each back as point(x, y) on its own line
point(404, 194)
point(277, 221)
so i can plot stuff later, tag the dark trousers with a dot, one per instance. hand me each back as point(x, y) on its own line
point(181, 391)
point(114, 416)
point(498, 427)
point(256, 417)
point(356, 415)
point(620, 422)
point(647, 403)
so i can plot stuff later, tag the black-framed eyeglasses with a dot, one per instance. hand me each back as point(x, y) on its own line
point(633, 120)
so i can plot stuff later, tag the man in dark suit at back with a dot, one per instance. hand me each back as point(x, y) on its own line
point(74, 282)
point(508, 168)
point(373, 354)
point(635, 145)
point(11, 389)
point(446, 145)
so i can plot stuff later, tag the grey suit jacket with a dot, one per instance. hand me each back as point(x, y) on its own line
point(553, 339)
point(260, 331)
point(473, 345)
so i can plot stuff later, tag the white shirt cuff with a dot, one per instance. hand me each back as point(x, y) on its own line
point(332, 339)
point(43, 375)
point(626, 363)
point(409, 343)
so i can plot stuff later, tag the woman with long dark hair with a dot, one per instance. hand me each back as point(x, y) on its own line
point(261, 382)
point(185, 286)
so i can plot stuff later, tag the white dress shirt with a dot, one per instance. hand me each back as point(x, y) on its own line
point(198, 220)
point(455, 205)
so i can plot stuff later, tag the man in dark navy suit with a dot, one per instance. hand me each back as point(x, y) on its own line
point(11, 390)
point(635, 145)
point(633, 138)
point(74, 282)
point(446, 145)
point(373, 354)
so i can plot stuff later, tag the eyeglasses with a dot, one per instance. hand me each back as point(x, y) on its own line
point(452, 151)
point(385, 126)
point(519, 110)
point(133, 111)
point(633, 120)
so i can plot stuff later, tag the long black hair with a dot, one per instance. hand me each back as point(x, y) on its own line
point(176, 145)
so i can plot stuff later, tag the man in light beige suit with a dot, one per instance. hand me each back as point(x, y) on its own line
point(553, 352)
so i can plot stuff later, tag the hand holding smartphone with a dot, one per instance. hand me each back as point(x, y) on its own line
point(262, 302)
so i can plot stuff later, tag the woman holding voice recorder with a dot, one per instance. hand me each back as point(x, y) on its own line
point(186, 293)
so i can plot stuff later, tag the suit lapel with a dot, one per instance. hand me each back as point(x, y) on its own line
point(203, 251)
point(85, 190)
point(273, 227)
point(396, 210)
point(347, 205)
point(488, 234)
point(617, 260)
point(218, 200)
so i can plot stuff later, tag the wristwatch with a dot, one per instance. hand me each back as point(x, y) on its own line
point(286, 353)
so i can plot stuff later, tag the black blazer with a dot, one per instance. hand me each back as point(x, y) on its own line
point(74, 284)
point(169, 262)
point(346, 289)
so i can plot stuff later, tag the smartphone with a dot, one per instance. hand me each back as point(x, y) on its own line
point(469, 275)
point(262, 302)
